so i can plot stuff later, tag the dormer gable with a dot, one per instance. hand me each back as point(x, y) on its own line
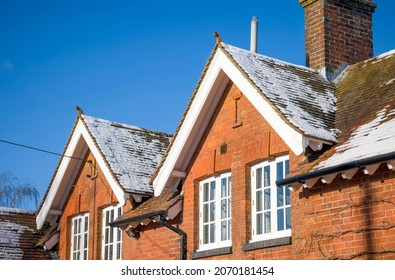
point(127, 156)
point(296, 101)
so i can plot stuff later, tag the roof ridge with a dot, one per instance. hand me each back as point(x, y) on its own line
point(10, 210)
point(273, 59)
point(121, 124)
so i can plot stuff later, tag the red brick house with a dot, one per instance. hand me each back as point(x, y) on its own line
point(105, 168)
point(273, 160)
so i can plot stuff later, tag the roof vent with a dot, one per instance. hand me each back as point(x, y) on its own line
point(254, 34)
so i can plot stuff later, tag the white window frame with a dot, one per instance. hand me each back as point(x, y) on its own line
point(111, 236)
point(79, 237)
point(210, 214)
point(265, 195)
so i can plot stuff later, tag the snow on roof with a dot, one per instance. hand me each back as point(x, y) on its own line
point(7, 210)
point(18, 236)
point(301, 94)
point(371, 139)
point(10, 235)
point(384, 56)
point(132, 153)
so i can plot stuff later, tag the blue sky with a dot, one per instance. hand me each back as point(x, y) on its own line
point(135, 62)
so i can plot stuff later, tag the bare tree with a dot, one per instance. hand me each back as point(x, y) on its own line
point(16, 194)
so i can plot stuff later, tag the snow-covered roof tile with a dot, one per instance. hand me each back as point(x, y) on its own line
point(365, 114)
point(18, 235)
point(374, 138)
point(132, 153)
point(301, 94)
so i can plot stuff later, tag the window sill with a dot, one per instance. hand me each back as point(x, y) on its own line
point(210, 253)
point(267, 243)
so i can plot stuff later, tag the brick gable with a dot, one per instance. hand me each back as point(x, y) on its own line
point(248, 139)
point(86, 196)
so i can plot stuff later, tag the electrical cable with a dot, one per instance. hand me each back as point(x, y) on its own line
point(37, 149)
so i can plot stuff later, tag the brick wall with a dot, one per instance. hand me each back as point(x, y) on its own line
point(91, 196)
point(155, 243)
point(337, 33)
point(86, 196)
point(348, 219)
point(247, 143)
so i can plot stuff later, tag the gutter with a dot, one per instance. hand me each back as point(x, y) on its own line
point(160, 214)
point(334, 169)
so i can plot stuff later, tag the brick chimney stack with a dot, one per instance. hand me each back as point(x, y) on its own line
point(338, 33)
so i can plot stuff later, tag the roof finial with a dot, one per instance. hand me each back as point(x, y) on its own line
point(216, 34)
point(79, 110)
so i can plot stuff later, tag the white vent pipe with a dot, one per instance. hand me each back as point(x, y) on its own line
point(254, 34)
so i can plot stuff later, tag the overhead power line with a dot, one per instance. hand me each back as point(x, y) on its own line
point(37, 149)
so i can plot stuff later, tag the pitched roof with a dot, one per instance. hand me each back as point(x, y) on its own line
point(18, 236)
point(297, 101)
point(301, 94)
point(365, 117)
point(164, 202)
point(365, 113)
point(127, 155)
point(132, 153)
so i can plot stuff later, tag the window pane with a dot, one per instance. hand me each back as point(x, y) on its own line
point(259, 224)
point(288, 217)
point(224, 209)
point(280, 219)
point(75, 226)
point(107, 219)
point(224, 188)
point(268, 220)
point(85, 241)
point(212, 211)
point(119, 234)
point(106, 252)
point(75, 242)
point(212, 190)
point(259, 178)
point(106, 234)
point(266, 176)
point(118, 251)
point(111, 235)
point(205, 192)
point(267, 199)
point(224, 230)
point(205, 213)
point(280, 170)
point(112, 215)
point(111, 252)
point(86, 224)
point(229, 184)
point(205, 234)
point(259, 201)
point(212, 233)
point(286, 163)
point(280, 196)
